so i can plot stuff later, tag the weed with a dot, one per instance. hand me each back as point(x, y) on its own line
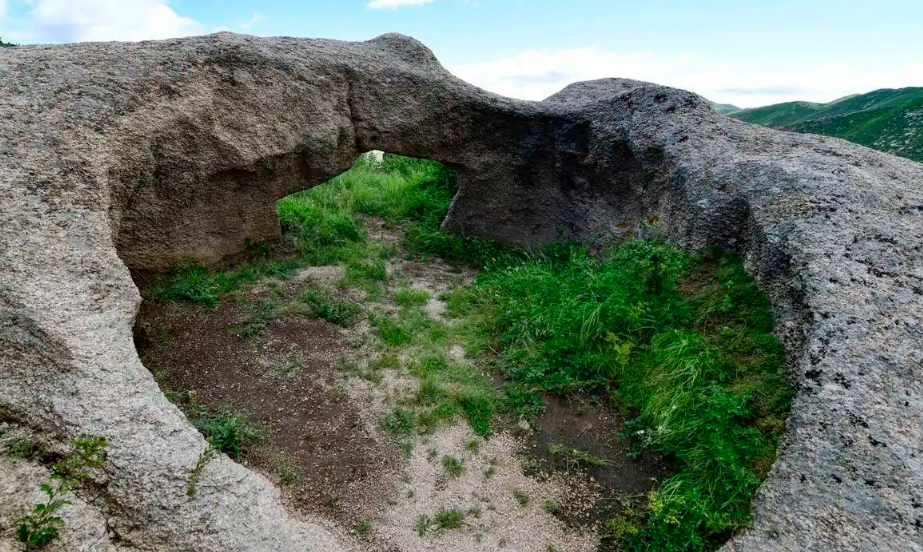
point(364, 526)
point(400, 421)
point(197, 470)
point(255, 325)
point(24, 448)
point(289, 368)
point(473, 446)
point(43, 525)
point(448, 519)
point(521, 497)
point(551, 507)
point(410, 297)
point(196, 284)
point(227, 431)
point(453, 466)
point(323, 305)
point(423, 524)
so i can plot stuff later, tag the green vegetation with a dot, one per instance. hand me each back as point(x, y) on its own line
point(227, 431)
point(364, 527)
point(521, 497)
point(888, 120)
point(683, 342)
point(453, 466)
point(196, 284)
point(326, 306)
point(43, 525)
point(446, 519)
point(24, 448)
point(682, 345)
point(196, 472)
point(5, 44)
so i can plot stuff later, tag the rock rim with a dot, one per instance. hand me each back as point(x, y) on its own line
point(119, 156)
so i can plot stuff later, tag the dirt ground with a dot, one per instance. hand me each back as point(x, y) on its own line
point(325, 448)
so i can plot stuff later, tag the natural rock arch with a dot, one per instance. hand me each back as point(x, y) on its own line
point(154, 153)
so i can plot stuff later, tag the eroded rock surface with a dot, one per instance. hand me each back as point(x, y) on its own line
point(117, 156)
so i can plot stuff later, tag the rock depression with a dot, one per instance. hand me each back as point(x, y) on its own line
point(139, 156)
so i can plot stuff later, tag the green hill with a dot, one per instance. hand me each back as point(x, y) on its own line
point(889, 120)
point(724, 109)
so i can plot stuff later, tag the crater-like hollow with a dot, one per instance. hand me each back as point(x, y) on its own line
point(385, 371)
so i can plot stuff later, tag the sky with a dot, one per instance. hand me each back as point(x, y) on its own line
point(744, 52)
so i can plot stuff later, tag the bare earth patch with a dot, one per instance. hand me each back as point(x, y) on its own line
point(309, 384)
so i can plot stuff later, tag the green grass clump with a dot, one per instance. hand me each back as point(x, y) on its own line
point(410, 297)
point(685, 342)
point(326, 306)
point(198, 285)
point(228, 432)
point(24, 448)
point(453, 466)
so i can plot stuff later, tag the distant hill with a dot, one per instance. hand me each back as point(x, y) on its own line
point(889, 120)
point(724, 109)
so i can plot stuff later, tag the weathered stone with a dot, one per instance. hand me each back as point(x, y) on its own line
point(117, 156)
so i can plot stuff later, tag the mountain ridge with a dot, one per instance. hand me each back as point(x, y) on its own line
point(887, 119)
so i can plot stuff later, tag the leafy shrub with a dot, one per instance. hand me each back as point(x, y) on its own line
point(227, 431)
point(43, 525)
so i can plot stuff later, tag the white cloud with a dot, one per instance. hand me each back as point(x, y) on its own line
point(536, 74)
point(395, 4)
point(100, 20)
point(254, 19)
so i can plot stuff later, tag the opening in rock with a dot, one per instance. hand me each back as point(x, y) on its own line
point(412, 384)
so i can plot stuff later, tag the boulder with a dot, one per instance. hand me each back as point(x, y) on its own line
point(118, 156)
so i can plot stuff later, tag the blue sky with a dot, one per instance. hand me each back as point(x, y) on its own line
point(743, 52)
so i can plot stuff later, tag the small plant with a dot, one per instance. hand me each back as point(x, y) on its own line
point(400, 422)
point(227, 431)
point(364, 526)
point(410, 297)
point(196, 472)
point(24, 448)
point(551, 507)
point(43, 525)
point(521, 497)
point(448, 519)
point(255, 325)
point(473, 446)
point(323, 305)
point(453, 466)
point(423, 524)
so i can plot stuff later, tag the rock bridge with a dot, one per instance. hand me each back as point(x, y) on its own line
point(137, 156)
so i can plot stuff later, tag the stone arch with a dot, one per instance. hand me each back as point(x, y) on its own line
point(142, 155)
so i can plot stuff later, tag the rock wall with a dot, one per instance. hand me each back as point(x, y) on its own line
point(117, 156)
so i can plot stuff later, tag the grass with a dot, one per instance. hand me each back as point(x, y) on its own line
point(24, 448)
point(326, 306)
point(682, 342)
point(261, 315)
point(227, 431)
point(198, 285)
point(453, 466)
point(446, 519)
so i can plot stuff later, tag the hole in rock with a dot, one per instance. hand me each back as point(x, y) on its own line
point(411, 384)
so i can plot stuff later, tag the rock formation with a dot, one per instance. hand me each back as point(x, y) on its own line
point(117, 156)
